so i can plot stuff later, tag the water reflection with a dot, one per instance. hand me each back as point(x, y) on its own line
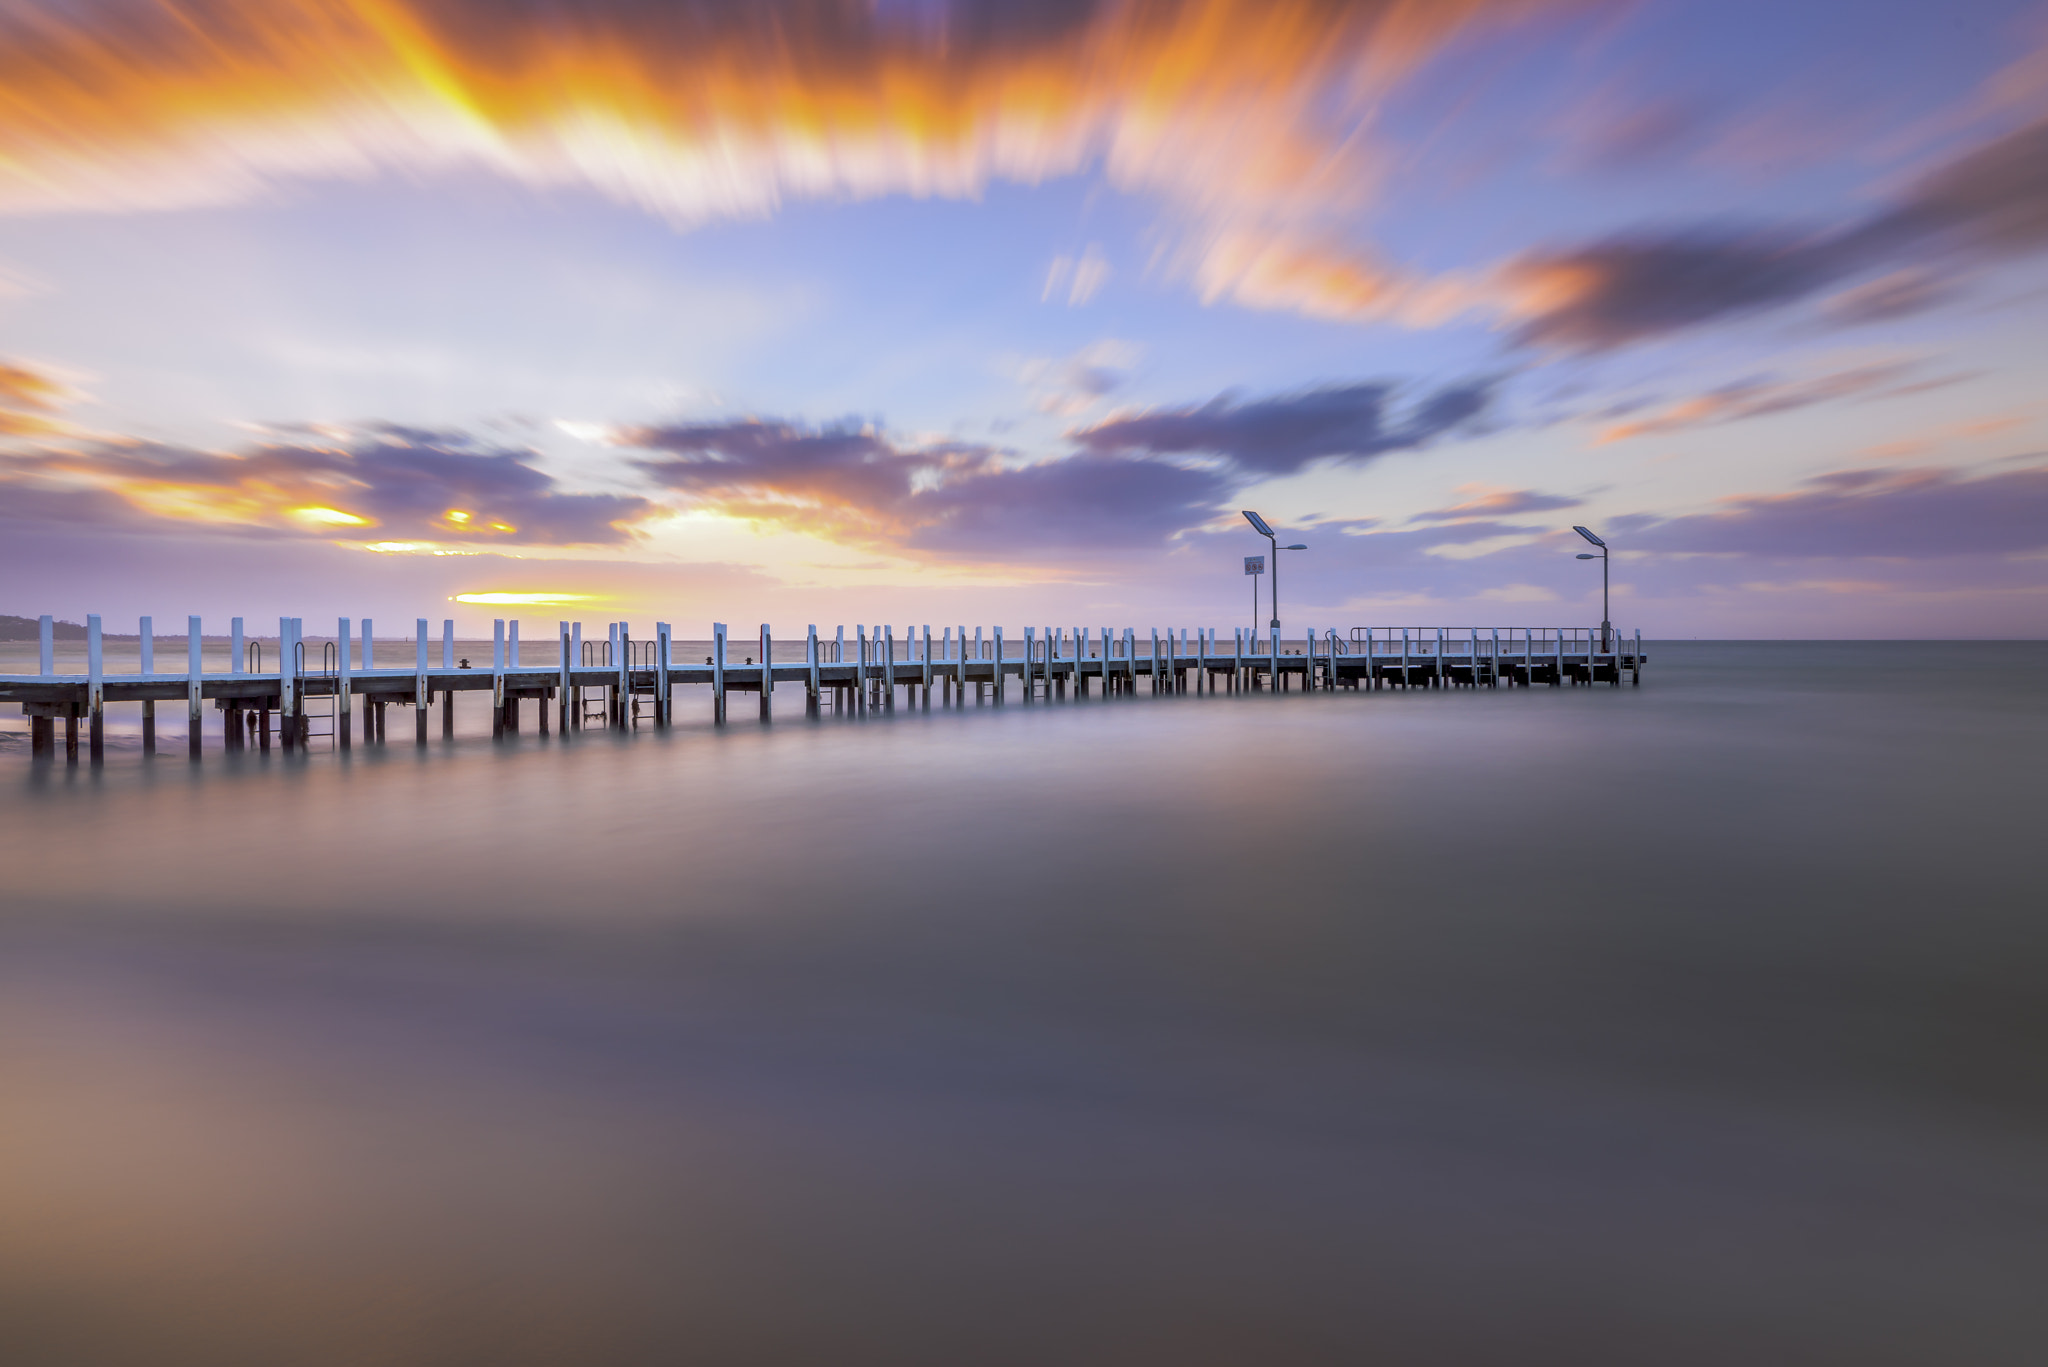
point(1698, 1022)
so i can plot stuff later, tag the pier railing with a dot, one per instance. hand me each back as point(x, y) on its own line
point(618, 680)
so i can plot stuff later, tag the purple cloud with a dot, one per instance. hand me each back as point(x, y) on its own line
point(391, 482)
point(1989, 203)
point(1882, 513)
point(1282, 434)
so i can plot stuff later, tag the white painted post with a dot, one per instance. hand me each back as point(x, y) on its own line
point(1276, 660)
point(718, 671)
point(664, 686)
point(767, 672)
point(497, 678)
point(512, 644)
point(343, 686)
point(622, 647)
point(447, 643)
point(369, 647)
point(562, 680)
point(285, 700)
point(811, 662)
point(977, 644)
point(147, 635)
point(996, 652)
point(95, 689)
point(927, 661)
point(46, 644)
point(574, 692)
point(420, 696)
point(1030, 636)
point(194, 662)
point(238, 650)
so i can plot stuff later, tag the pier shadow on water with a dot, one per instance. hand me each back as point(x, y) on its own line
point(1695, 1023)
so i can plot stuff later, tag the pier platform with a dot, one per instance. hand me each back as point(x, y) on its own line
point(322, 691)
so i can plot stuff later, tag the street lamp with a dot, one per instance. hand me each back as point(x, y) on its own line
point(1259, 525)
point(1606, 628)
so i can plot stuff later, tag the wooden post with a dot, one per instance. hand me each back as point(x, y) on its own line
point(285, 692)
point(193, 663)
point(767, 674)
point(147, 635)
point(996, 649)
point(811, 668)
point(574, 695)
point(624, 657)
point(562, 679)
point(498, 679)
point(95, 692)
point(1636, 673)
point(718, 671)
point(927, 664)
point(664, 685)
point(344, 686)
point(448, 663)
point(422, 698)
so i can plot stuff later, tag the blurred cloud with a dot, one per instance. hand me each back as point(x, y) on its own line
point(1069, 385)
point(28, 397)
point(1880, 513)
point(429, 487)
point(1760, 397)
point(702, 110)
point(1984, 205)
point(856, 484)
point(1481, 501)
point(1280, 435)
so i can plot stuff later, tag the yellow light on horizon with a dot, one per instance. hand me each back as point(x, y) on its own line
point(541, 600)
point(457, 516)
point(330, 517)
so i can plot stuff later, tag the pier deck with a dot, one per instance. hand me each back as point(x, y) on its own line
point(617, 680)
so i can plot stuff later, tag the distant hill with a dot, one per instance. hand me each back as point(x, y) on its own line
point(24, 629)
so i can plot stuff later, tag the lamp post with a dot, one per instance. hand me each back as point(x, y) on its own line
point(1259, 525)
point(1606, 628)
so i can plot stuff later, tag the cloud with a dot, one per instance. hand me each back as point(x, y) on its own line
point(400, 483)
point(1282, 434)
point(27, 399)
point(704, 110)
point(1760, 397)
point(1071, 385)
point(1320, 275)
point(1484, 502)
point(1868, 513)
point(1080, 280)
point(856, 484)
point(1987, 204)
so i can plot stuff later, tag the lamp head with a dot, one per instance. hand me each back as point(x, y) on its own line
point(1588, 555)
point(1590, 537)
point(1258, 523)
point(1297, 546)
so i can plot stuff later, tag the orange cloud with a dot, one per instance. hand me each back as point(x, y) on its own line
point(693, 112)
point(27, 397)
point(1760, 398)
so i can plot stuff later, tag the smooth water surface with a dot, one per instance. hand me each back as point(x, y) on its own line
point(1701, 1022)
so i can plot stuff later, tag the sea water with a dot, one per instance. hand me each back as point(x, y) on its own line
point(1696, 1022)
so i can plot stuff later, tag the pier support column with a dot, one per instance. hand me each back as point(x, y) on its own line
point(148, 727)
point(42, 741)
point(447, 714)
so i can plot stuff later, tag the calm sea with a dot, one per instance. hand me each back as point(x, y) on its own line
point(1700, 1022)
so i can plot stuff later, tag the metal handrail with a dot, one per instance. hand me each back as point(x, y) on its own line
point(252, 658)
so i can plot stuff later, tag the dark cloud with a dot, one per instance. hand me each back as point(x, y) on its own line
point(1872, 513)
point(1987, 204)
point(1280, 435)
point(854, 483)
point(403, 484)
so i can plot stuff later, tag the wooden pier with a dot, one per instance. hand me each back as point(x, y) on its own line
point(317, 691)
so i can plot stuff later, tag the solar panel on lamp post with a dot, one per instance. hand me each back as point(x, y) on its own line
point(1259, 525)
point(1606, 627)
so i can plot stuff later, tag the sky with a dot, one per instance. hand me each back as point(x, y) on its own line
point(910, 311)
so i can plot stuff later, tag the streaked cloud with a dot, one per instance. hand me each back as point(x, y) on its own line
point(1988, 203)
point(1881, 513)
point(1280, 435)
point(702, 110)
point(1760, 397)
point(425, 487)
point(28, 401)
point(1480, 501)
